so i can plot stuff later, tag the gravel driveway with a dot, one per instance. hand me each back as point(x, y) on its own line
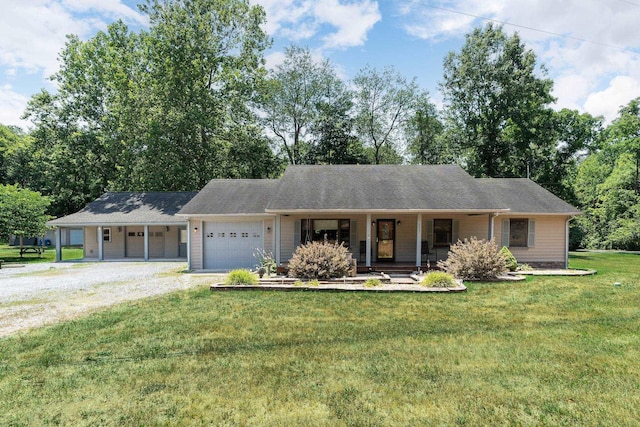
point(45, 293)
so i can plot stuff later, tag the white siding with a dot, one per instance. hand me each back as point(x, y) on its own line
point(196, 244)
point(549, 239)
point(90, 242)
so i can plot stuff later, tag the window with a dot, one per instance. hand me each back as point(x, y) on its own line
point(331, 230)
point(106, 234)
point(518, 230)
point(442, 231)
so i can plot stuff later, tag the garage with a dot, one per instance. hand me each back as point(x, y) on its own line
point(229, 245)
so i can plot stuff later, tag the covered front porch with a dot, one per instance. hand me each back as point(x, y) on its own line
point(382, 241)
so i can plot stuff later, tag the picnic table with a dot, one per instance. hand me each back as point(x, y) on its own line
point(32, 250)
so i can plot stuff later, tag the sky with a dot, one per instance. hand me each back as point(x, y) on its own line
point(590, 48)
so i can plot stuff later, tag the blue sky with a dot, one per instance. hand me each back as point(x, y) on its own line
point(591, 48)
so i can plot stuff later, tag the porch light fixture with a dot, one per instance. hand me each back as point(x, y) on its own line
point(167, 228)
point(268, 229)
point(398, 223)
point(195, 229)
point(119, 229)
point(373, 223)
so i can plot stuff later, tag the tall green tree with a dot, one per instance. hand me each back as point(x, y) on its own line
point(606, 186)
point(295, 94)
point(424, 134)
point(497, 104)
point(13, 142)
point(385, 102)
point(334, 141)
point(23, 212)
point(204, 59)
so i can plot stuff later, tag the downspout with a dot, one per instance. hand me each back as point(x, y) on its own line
point(566, 242)
point(492, 224)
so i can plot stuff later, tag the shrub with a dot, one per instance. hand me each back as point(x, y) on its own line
point(510, 261)
point(372, 283)
point(241, 277)
point(474, 259)
point(438, 279)
point(319, 260)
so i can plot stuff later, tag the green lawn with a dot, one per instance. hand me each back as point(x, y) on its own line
point(548, 351)
point(11, 254)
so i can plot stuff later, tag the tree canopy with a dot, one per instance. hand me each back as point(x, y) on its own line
point(22, 212)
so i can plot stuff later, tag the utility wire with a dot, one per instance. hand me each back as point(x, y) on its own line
point(623, 49)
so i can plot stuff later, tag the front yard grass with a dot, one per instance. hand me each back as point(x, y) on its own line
point(11, 254)
point(548, 351)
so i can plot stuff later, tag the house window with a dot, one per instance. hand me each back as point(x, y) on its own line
point(331, 230)
point(106, 234)
point(442, 232)
point(518, 231)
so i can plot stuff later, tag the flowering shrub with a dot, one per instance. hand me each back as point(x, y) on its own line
point(319, 260)
point(474, 259)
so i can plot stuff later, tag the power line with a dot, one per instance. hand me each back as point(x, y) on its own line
point(497, 21)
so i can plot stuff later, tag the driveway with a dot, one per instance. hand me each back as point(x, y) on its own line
point(46, 293)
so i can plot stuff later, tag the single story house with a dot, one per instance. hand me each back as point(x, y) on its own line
point(384, 214)
point(129, 226)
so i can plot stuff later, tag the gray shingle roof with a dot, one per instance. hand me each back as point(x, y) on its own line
point(371, 187)
point(231, 196)
point(326, 188)
point(129, 208)
point(522, 195)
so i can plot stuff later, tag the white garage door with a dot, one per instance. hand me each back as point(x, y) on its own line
point(229, 245)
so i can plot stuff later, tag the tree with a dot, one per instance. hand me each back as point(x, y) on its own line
point(13, 141)
point(606, 186)
point(424, 134)
point(334, 142)
point(624, 133)
point(294, 96)
point(162, 109)
point(23, 212)
point(385, 101)
point(497, 108)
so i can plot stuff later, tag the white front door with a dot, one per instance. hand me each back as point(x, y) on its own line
point(229, 245)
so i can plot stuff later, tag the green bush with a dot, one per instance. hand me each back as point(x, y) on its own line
point(241, 277)
point(372, 283)
point(474, 259)
point(438, 279)
point(319, 260)
point(510, 261)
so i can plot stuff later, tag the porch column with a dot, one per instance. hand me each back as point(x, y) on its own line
point(419, 241)
point(277, 239)
point(368, 243)
point(58, 244)
point(146, 243)
point(490, 233)
point(100, 244)
point(188, 243)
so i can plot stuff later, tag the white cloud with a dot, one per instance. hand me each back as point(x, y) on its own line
point(340, 24)
point(607, 102)
point(12, 105)
point(585, 44)
point(352, 21)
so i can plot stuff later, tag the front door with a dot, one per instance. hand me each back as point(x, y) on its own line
point(386, 239)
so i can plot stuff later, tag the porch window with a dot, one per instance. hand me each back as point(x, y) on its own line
point(442, 232)
point(106, 234)
point(331, 230)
